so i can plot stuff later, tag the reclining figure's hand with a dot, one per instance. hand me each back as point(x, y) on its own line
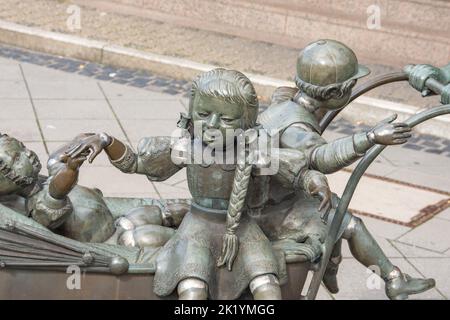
point(388, 133)
point(66, 178)
point(92, 143)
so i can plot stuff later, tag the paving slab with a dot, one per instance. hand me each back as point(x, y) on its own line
point(13, 89)
point(8, 62)
point(432, 235)
point(359, 283)
point(167, 109)
point(422, 168)
point(51, 89)
point(73, 109)
point(375, 196)
point(403, 157)
point(34, 72)
point(25, 130)
point(444, 214)
point(10, 71)
point(66, 130)
point(138, 129)
point(46, 83)
point(436, 268)
point(16, 109)
point(413, 251)
point(117, 91)
point(435, 180)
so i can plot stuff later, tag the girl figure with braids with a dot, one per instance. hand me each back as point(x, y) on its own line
point(218, 251)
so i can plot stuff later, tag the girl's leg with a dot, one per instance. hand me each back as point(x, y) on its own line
point(192, 289)
point(265, 287)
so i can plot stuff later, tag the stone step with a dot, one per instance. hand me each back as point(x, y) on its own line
point(407, 30)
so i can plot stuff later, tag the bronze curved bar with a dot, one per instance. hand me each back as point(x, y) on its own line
point(350, 189)
point(360, 90)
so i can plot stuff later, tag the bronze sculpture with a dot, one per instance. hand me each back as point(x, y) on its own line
point(220, 100)
point(242, 226)
point(326, 72)
point(73, 211)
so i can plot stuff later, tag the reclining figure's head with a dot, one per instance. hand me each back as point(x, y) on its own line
point(327, 70)
point(19, 167)
point(222, 100)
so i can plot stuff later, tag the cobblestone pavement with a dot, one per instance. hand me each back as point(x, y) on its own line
point(45, 101)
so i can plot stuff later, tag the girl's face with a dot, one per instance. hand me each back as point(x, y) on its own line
point(215, 119)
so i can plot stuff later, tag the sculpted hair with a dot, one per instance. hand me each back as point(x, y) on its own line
point(231, 86)
point(331, 91)
point(282, 94)
point(9, 172)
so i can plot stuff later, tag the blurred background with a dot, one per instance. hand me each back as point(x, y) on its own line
point(256, 36)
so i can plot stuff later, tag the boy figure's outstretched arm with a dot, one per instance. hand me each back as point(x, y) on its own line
point(152, 159)
point(338, 154)
point(293, 173)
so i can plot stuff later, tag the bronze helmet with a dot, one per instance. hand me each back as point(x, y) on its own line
point(326, 62)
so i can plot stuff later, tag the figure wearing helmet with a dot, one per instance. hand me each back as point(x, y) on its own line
point(327, 70)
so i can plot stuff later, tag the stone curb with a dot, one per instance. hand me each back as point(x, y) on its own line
point(364, 109)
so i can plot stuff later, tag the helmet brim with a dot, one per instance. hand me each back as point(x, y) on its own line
point(362, 72)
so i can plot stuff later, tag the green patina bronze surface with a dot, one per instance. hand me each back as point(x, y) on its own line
point(241, 228)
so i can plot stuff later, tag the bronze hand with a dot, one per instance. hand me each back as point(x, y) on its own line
point(94, 144)
point(388, 133)
point(324, 194)
point(66, 178)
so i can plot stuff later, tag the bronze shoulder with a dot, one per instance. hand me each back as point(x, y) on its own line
point(279, 117)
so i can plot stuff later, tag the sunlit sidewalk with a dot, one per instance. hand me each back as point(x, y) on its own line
point(45, 107)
